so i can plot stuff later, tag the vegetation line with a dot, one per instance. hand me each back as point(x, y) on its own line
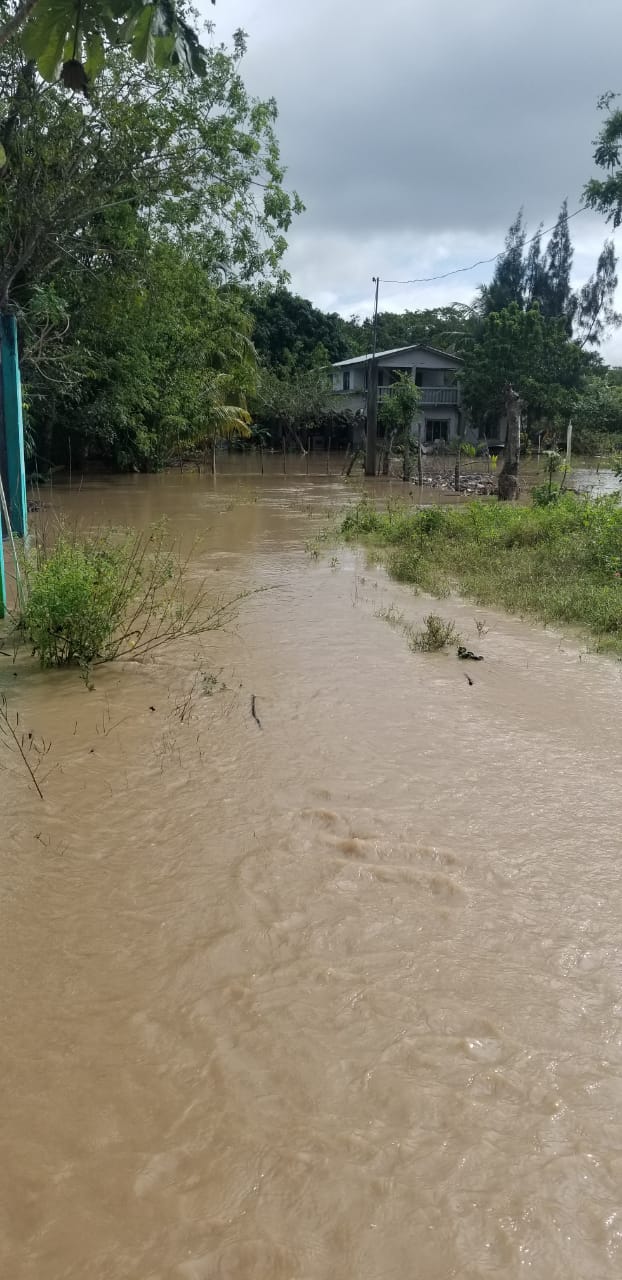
point(559, 562)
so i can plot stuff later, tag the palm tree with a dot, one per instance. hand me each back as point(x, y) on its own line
point(223, 421)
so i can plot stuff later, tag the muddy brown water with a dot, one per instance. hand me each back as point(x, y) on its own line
point(337, 998)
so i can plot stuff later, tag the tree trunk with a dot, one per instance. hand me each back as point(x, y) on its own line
point(386, 453)
point(419, 460)
point(407, 461)
point(457, 471)
point(214, 456)
point(509, 487)
point(357, 453)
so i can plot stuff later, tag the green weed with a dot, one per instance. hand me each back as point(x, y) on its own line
point(436, 634)
point(92, 598)
point(560, 562)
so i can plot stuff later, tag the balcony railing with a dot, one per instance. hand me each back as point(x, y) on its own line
point(430, 396)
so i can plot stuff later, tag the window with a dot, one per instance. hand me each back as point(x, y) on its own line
point(436, 429)
point(345, 383)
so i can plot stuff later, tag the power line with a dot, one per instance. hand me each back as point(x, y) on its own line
point(484, 262)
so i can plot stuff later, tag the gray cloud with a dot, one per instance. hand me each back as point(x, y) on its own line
point(414, 132)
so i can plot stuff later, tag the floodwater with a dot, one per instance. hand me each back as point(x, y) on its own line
point(333, 998)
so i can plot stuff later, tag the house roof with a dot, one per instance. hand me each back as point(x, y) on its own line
point(397, 351)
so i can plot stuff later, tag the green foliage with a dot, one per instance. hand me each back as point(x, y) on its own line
point(528, 277)
point(436, 634)
point(561, 562)
point(605, 194)
point(399, 406)
point(544, 494)
point(93, 598)
point(508, 283)
point(450, 328)
point(532, 353)
point(126, 230)
point(75, 596)
point(598, 407)
point(62, 38)
point(289, 332)
point(292, 401)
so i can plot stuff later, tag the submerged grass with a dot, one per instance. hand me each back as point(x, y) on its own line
point(560, 563)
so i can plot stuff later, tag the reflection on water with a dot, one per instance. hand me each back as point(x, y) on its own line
point(334, 997)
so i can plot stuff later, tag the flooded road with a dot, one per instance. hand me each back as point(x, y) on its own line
point(333, 998)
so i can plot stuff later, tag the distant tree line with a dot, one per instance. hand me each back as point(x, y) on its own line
point(141, 242)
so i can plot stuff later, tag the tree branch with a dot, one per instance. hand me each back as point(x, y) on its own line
point(14, 24)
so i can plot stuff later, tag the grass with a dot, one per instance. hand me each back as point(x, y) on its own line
point(560, 563)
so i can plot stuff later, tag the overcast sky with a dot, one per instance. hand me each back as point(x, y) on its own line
point(414, 133)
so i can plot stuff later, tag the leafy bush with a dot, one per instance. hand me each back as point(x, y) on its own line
point(436, 634)
point(73, 603)
point(90, 599)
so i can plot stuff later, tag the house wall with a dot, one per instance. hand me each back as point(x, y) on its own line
point(357, 378)
point(436, 371)
point(417, 360)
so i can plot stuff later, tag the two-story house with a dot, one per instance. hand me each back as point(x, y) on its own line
point(436, 372)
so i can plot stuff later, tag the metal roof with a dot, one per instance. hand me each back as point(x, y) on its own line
point(396, 351)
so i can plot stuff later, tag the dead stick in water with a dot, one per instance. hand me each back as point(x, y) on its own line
point(254, 712)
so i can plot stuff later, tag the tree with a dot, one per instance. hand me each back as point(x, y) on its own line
point(597, 410)
point(451, 328)
point(222, 421)
point(126, 231)
point(534, 271)
point(508, 282)
point(145, 349)
point(605, 194)
point(289, 330)
point(397, 412)
point(196, 157)
point(544, 279)
point(72, 39)
point(556, 298)
point(595, 312)
point(534, 355)
point(290, 401)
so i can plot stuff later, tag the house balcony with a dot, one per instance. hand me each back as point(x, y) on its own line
point(431, 397)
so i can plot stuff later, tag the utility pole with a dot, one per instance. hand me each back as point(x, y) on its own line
point(372, 395)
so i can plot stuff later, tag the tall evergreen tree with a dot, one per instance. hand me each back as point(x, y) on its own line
point(534, 271)
point(558, 300)
point(595, 309)
point(534, 278)
point(508, 282)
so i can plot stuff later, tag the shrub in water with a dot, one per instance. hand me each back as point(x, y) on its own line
point(74, 595)
point(93, 598)
point(436, 634)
